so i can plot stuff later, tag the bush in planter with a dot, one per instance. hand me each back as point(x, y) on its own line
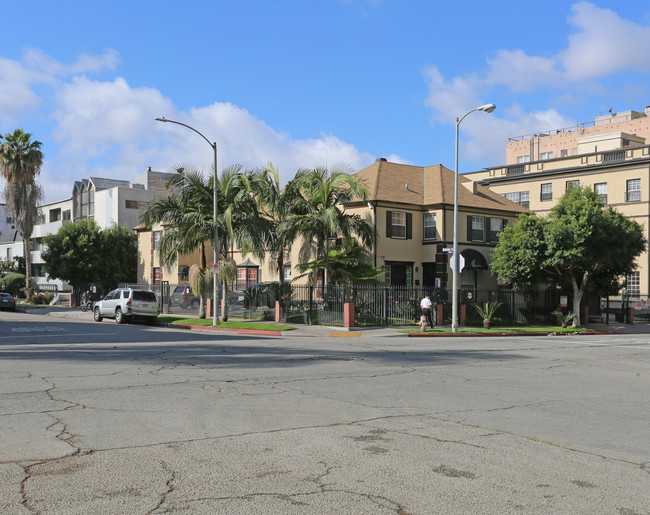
point(487, 311)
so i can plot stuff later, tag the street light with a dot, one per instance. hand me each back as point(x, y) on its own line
point(488, 108)
point(215, 212)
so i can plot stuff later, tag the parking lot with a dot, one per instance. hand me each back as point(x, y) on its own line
point(106, 418)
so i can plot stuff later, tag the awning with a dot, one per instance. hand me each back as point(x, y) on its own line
point(474, 260)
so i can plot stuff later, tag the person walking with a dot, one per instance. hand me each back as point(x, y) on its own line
point(427, 311)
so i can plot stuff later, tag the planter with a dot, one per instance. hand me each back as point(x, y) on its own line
point(486, 323)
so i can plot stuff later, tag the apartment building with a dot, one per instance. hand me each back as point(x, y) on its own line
point(411, 208)
point(106, 201)
point(614, 160)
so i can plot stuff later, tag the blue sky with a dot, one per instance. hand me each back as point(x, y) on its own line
point(304, 84)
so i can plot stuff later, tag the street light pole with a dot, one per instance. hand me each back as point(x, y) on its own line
point(488, 108)
point(215, 213)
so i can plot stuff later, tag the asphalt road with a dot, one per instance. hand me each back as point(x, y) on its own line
point(104, 418)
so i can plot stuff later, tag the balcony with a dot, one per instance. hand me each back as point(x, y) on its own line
point(516, 170)
point(614, 157)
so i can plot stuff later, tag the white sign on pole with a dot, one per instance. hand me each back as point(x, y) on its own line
point(461, 262)
point(448, 250)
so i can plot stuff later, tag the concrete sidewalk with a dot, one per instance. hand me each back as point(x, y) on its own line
point(302, 330)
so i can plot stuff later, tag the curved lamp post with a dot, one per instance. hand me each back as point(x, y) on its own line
point(215, 242)
point(488, 108)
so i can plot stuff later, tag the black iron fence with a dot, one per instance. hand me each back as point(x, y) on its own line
point(377, 305)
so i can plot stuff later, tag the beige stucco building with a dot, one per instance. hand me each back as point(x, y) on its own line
point(615, 164)
point(411, 208)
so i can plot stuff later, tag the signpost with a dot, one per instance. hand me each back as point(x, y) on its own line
point(461, 262)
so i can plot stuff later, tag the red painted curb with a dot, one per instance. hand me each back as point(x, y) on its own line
point(225, 329)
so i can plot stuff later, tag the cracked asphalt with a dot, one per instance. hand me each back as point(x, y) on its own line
point(112, 419)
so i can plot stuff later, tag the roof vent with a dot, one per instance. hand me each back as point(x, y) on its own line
point(381, 159)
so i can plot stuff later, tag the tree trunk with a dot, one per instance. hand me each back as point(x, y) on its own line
point(226, 304)
point(577, 299)
point(28, 266)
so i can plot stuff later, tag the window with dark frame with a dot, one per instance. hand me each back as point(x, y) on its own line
point(546, 192)
point(633, 190)
point(399, 224)
point(476, 228)
point(429, 225)
point(572, 184)
point(601, 190)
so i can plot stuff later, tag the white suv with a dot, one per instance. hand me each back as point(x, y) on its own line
point(126, 303)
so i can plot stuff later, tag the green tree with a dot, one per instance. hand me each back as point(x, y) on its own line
point(581, 245)
point(21, 160)
point(347, 266)
point(319, 215)
point(74, 254)
point(189, 221)
point(277, 207)
point(119, 257)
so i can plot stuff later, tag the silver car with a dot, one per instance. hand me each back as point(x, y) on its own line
point(126, 303)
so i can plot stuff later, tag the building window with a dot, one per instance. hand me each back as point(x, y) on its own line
point(545, 155)
point(476, 228)
point(601, 191)
point(55, 215)
point(572, 184)
point(430, 226)
point(183, 272)
point(157, 275)
point(10, 254)
point(523, 159)
point(519, 197)
point(134, 204)
point(246, 276)
point(633, 192)
point(633, 284)
point(40, 219)
point(67, 215)
point(398, 225)
point(156, 240)
point(496, 226)
point(91, 202)
point(10, 219)
point(546, 192)
point(564, 153)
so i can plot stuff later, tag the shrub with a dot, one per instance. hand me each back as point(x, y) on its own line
point(268, 316)
point(13, 283)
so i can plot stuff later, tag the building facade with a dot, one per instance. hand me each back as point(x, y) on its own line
point(411, 208)
point(616, 165)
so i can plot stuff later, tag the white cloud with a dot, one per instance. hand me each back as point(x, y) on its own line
point(16, 93)
point(605, 43)
point(107, 129)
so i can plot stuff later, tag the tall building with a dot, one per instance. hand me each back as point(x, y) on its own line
point(612, 156)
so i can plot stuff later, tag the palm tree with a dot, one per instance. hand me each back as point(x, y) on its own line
point(21, 160)
point(188, 218)
point(189, 221)
point(277, 207)
point(320, 215)
point(239, 221)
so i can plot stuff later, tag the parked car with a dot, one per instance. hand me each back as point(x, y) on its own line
point(7, 301)
point(184, 297)
point(126, 303)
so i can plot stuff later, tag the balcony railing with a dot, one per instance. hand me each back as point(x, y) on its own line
point(516, 170)
point(613, 157)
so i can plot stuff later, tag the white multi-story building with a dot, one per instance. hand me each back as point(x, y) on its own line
point(106, 201)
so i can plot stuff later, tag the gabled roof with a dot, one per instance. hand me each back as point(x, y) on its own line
point(428, 185)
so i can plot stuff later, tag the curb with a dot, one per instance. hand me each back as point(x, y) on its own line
point(472, 335)
point(224, 329)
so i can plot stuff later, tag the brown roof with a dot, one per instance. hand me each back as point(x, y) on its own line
point(394, 182)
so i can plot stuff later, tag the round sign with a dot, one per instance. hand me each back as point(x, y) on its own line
point(469, 295)
point(639, 305)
